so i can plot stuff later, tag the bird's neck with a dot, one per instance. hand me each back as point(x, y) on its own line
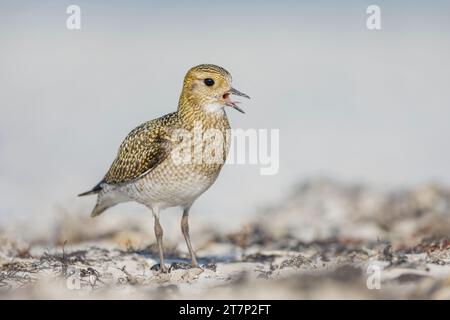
point(193, 112)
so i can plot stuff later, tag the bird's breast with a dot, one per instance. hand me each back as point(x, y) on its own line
point(191, 168)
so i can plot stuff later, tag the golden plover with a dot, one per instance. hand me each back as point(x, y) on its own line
point(146, 168)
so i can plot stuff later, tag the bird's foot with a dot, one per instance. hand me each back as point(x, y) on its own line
point(180, 266)
point(210, 266)
point(187, 266)
point(157, 267)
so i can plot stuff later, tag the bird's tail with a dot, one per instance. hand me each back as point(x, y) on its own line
point(88, 193)
point(98, 209)
point(106, 200)
point(94, 190)
point(103, 202)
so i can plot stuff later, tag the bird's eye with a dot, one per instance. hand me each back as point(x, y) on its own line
point(209, 82)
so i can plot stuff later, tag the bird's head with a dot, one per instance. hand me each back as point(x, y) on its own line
point(209, 87)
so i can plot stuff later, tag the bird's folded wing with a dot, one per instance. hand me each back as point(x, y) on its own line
point(142, 150)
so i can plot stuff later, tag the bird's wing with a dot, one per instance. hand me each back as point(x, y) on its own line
point(142, 150)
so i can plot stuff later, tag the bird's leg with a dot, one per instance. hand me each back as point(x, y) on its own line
point(159, 235)
point(185, 230)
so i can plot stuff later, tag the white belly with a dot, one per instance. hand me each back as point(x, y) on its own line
point(167, 186)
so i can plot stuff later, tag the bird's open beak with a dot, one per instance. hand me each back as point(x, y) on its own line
point(231, 103)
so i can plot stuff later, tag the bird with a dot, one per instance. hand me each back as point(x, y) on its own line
point(159, 164)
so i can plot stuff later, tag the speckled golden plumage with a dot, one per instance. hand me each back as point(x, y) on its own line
point(144, 148)
point(144, 170)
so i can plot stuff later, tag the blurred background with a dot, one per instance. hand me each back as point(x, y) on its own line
point(360, 106)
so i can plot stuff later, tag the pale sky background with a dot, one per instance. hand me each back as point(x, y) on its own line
point(358, 105)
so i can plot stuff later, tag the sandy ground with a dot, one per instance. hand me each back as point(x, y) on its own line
point(326, 240)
